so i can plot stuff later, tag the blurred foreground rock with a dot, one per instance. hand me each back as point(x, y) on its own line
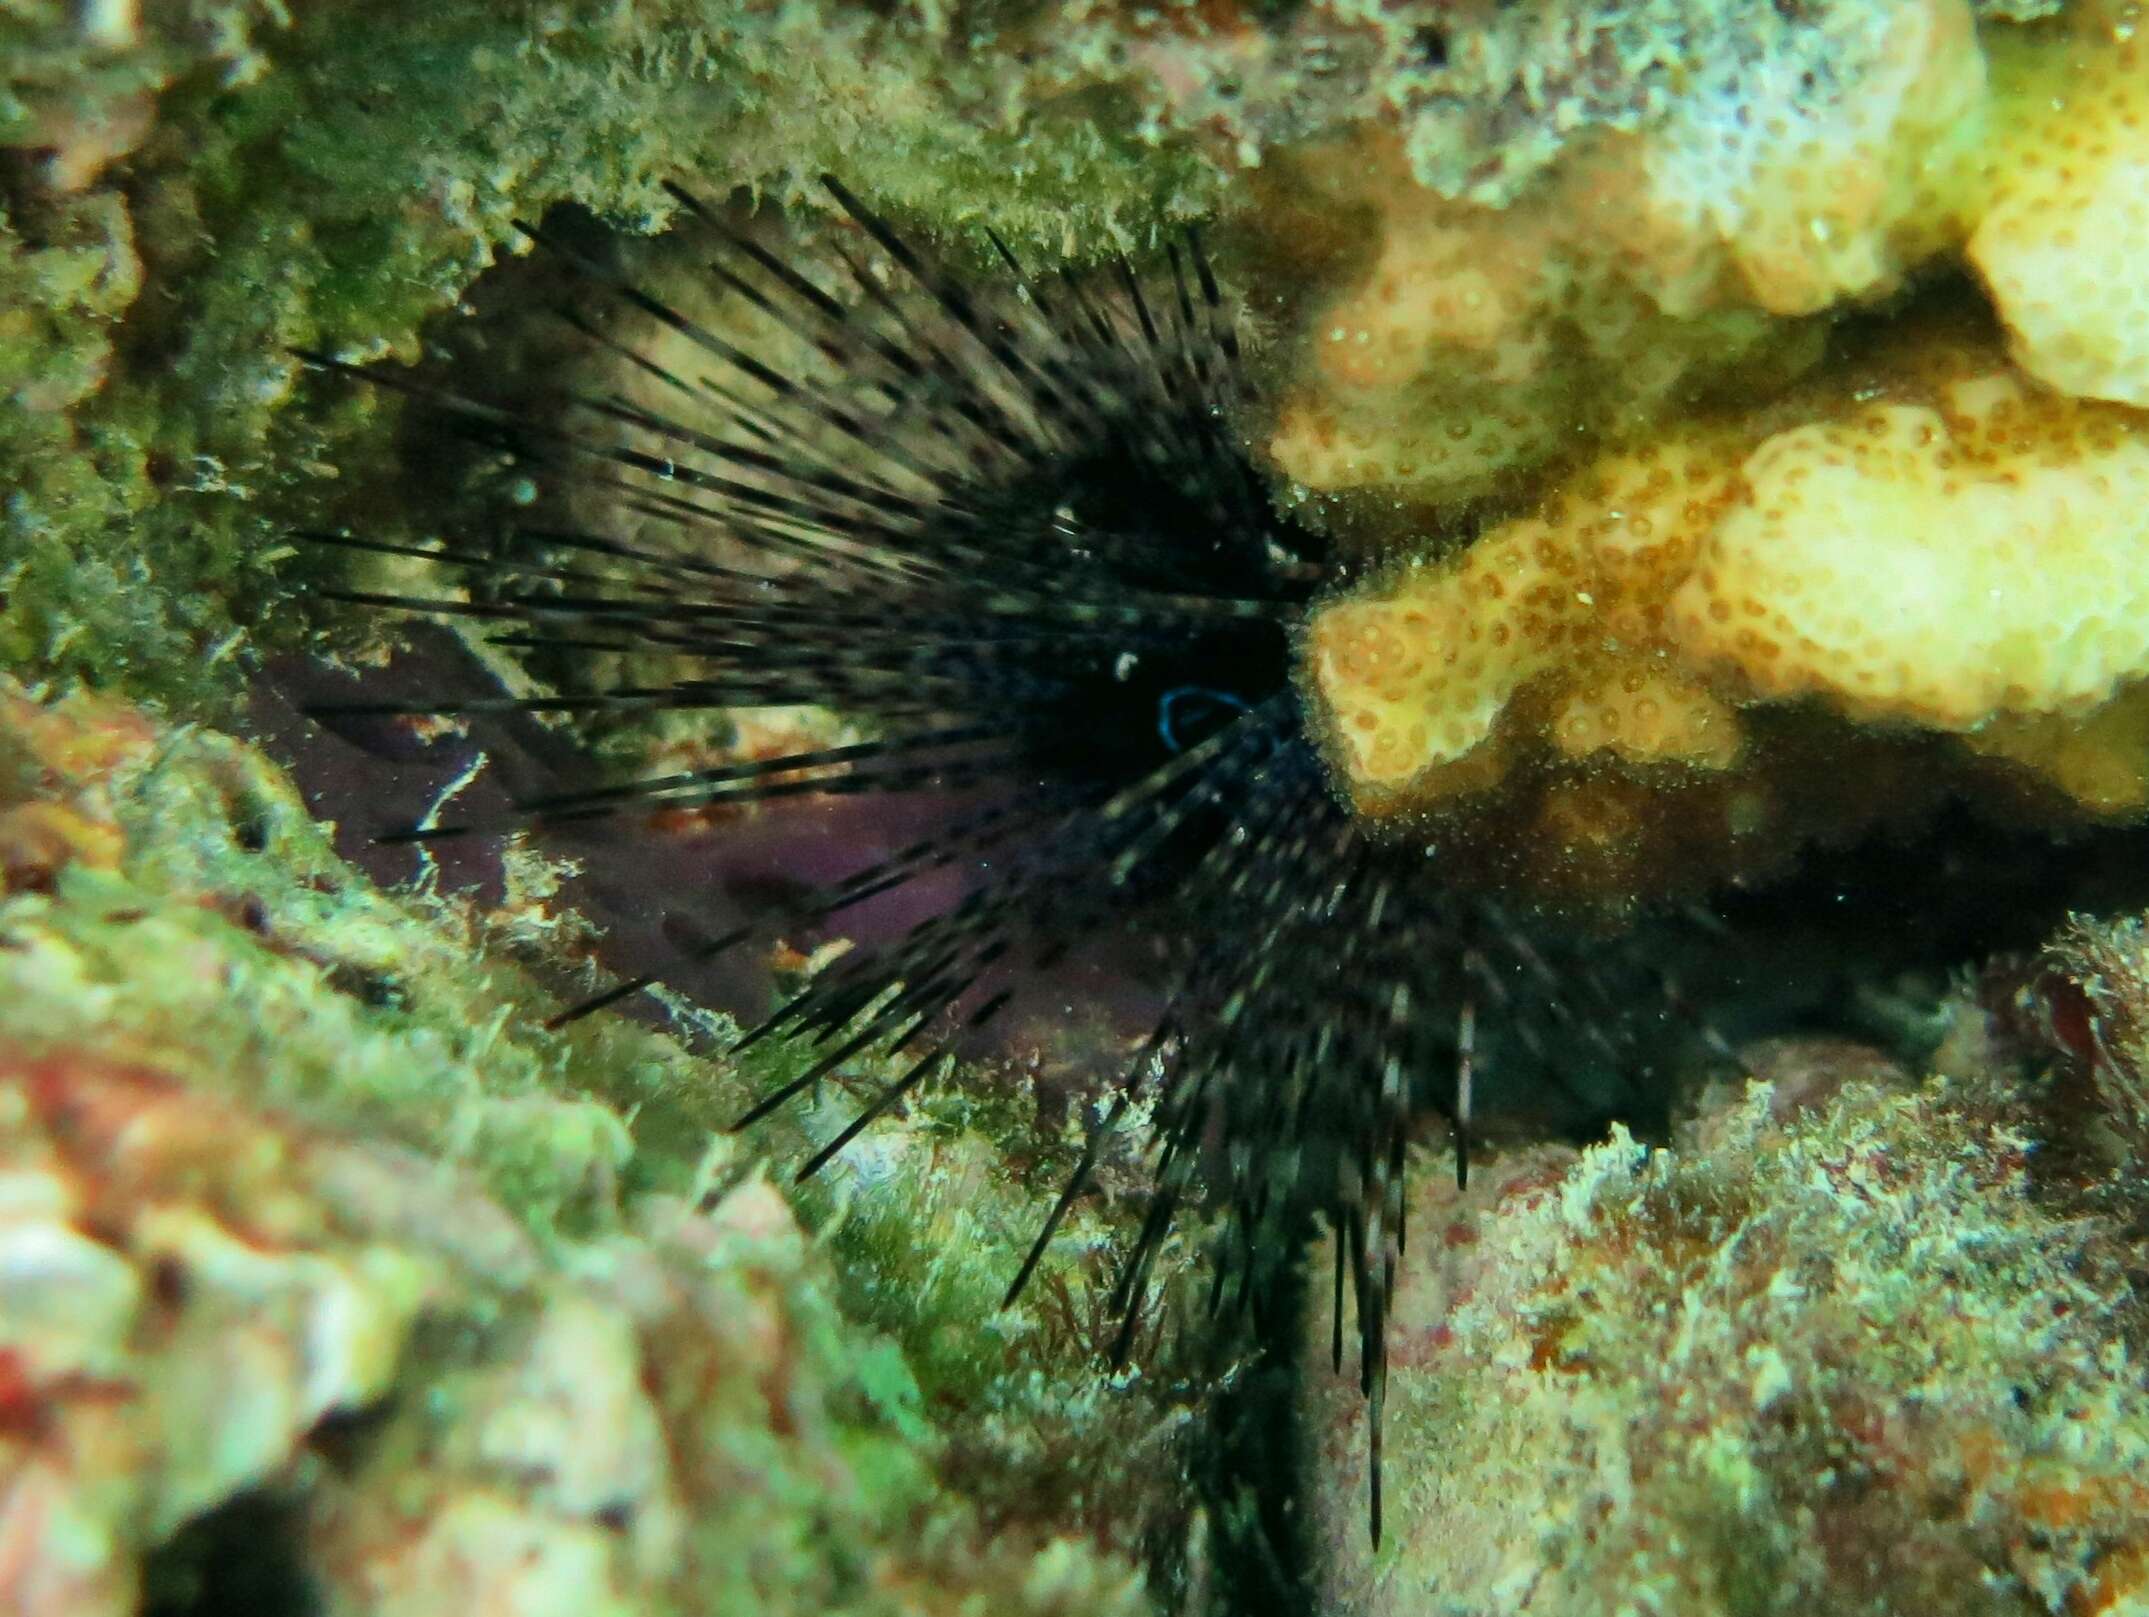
point(330, 1280)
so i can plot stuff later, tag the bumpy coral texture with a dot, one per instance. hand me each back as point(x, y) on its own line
point(1692, 565)
point(1679, 235)
point(1940, 563)
point(1919, 538)
point(1801, 162)
point(2065, 231)
point(299, 1206)
point(1828, 1353)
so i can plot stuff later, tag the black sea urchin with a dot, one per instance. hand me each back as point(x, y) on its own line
point(1007, 529)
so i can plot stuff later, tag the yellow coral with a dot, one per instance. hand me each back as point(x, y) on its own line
point(1416, 676)
point(2065, 235)
point(1940, 556)
point(1795, 195)
point(1481, 339)
point(1945, 563)
point(1474, 343)
point(1434, 372)
point(1923, 539)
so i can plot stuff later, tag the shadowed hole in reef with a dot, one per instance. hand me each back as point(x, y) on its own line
point(245, 1556)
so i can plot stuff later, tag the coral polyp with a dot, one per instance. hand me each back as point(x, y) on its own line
point(1002, 531)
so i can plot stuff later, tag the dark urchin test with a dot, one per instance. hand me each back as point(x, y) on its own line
point(1006, 529)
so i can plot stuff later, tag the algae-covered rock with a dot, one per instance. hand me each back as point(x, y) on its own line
point(299, 1203)
point(1834, 1350)
point(195, 189)
point(2082, 1007)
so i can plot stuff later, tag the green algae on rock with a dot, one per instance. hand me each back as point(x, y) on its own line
point(1834, 1351)
point(337, 174)
point(303, 1205)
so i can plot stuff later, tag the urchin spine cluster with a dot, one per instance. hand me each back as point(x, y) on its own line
point(1007, 530)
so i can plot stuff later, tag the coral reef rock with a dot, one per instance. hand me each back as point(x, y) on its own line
point(1830, 1352)
point(1655, 527)
point(1704, 180)
point(322, 1263)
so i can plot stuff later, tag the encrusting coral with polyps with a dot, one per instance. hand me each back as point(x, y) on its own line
point(1805, 162)
point(1921, 538)
point(1801, 163)
point(1936, 532)
point(2064, 224)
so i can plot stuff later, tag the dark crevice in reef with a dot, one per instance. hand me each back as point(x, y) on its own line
point(1868, 942)
point(1857, 939)
point(246, 1556)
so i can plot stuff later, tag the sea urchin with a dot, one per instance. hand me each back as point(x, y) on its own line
point(1006, 530)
